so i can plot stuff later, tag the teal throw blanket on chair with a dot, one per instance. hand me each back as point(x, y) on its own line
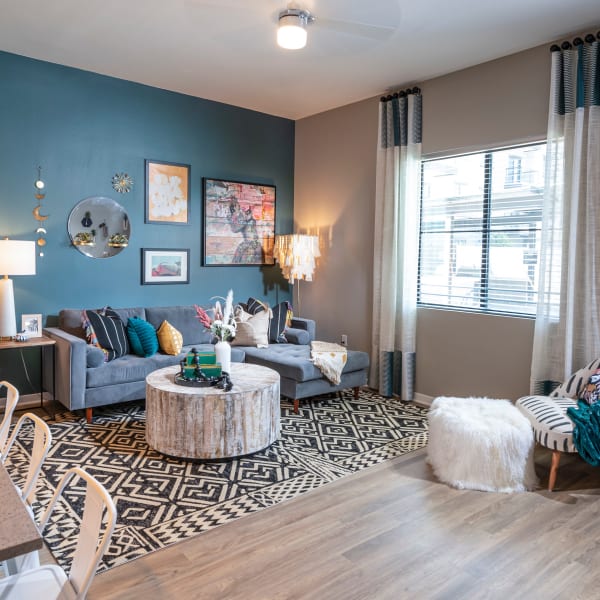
point(586, 431)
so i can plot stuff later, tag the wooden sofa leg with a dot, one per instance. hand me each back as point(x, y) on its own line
point(553, 469)
point(296, 406)
point(88, 414)
point(356, 391)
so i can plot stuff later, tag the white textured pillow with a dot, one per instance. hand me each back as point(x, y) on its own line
point(252, 330)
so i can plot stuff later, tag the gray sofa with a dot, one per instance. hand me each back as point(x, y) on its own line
point(82, 381)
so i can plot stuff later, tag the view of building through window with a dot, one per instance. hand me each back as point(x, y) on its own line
point(480, 230)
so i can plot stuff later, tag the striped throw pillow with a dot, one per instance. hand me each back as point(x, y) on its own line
point(106, 330)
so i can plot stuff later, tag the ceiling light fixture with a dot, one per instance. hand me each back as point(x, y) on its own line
point(291, 33)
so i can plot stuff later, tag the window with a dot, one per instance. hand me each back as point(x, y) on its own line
point(480, 230)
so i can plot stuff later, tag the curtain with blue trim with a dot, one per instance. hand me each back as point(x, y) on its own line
point(396, 248)
point(567, 328)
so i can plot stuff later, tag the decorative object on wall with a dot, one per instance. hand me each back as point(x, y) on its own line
point(239, 223)
point(167, 193)
point(32, 325)
point(165, 265)
point(296, 254)
point(99, 227)
point(39, 186)
point(16, 258)
point(122, 183)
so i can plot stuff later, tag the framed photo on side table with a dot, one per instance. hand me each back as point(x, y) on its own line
point(167, 193)
point(32, 325)
point(239, 223)
point(165, 265)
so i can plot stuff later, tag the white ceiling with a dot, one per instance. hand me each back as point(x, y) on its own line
point(225, 50)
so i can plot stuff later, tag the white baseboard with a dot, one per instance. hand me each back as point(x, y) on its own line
point(423, 399)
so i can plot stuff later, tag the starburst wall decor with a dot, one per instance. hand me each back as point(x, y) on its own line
point(122, 183)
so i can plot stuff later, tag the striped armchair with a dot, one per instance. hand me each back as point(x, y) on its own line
point(552, 427)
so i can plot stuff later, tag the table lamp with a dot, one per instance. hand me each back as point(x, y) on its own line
point(16, 258)
point(296, 254)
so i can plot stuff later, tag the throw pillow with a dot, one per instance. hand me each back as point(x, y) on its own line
point(142, 337)
point(106, 330)
point(94, 356)
point(253, 306)
point(252, 330)
point(591, 392)
point(278, 323)
point(170, 339)
point(573, 386)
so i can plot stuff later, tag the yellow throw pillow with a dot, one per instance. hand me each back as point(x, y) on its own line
point(170, 339)
point(252, 330)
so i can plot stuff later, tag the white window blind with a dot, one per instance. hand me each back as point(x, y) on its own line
point(480, 230)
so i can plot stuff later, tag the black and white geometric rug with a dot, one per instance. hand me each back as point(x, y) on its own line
point(163, 500)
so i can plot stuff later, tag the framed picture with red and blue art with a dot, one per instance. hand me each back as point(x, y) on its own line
point(239, 223)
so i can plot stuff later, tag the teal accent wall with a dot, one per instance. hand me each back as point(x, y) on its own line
point(82, 128)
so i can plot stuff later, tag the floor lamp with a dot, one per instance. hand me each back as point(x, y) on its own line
point(16, 258)
point(296, 255)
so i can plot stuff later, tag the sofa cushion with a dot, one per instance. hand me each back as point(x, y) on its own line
point(94, 357)
point(170, 339)
point(108, 332)
point(278, 323)
point(254, 306)
point(297, 336)
point(184, 319)
point(142, 337)
point(252, 330)
point(293, 361)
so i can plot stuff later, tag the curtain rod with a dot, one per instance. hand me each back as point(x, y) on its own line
point(590, 38)
point(400, 94)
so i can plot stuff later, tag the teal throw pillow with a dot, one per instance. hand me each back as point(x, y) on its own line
point(142, 337)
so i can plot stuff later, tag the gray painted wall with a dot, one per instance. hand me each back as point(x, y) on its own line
point(82, 128)
point(499, 102)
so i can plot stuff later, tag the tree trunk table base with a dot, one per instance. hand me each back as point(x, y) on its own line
point(209, 423)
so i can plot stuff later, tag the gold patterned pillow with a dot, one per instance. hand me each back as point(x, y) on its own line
point(170, 339)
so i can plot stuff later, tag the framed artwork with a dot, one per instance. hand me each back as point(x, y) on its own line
point(165, 265)
point(32, 325)
point(167, 193)
point(239, 223)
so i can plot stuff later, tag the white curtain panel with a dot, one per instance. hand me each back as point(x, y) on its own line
point(567, 327)
point(396, 245)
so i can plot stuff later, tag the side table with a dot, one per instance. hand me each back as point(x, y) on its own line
point(34, 342)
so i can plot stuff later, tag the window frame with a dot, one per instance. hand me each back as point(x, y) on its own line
point(486, 230)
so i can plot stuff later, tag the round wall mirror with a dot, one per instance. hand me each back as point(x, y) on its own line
point(99, 227)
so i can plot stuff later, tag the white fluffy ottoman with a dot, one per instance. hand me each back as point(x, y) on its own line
point(481, 444)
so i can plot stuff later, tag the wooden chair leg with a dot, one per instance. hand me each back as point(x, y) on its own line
point(88, 414)
point(296, 406)
point(553, 469)
point(356, 391)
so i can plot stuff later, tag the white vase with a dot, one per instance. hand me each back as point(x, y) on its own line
point(223, 352)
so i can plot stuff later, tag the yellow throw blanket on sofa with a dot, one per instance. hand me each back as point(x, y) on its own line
point(330, 359)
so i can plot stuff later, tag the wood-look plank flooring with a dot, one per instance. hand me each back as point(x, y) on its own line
point(391, 531)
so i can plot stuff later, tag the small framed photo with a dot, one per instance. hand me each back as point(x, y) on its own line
point(239, 223)
point(165, 265)
point(167, 193)
point(32, 325)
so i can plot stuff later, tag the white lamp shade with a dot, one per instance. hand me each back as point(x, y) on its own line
point(296, 254)
point(291, 33)
point(17, 257)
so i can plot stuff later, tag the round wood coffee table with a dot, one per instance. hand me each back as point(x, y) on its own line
point(209, 423)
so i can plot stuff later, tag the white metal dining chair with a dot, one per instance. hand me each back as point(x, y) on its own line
point(12, 398)
point(39, 447)
point(50, 582)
